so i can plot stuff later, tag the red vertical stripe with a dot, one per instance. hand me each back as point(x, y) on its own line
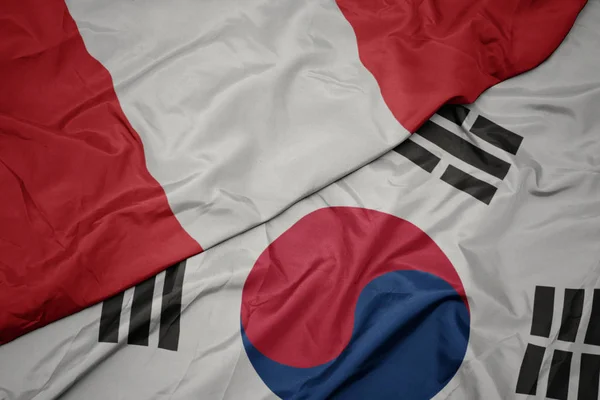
point(81, 218)
point(428, 52)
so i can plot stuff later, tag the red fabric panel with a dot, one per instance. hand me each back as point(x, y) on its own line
point(425, 53)
point(81, 218)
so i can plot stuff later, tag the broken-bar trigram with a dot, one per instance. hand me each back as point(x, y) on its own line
point(168, 336)
point(592, 336)
point(418, 155)
point(477, 188)
point(464, 150)
point(562, 361)
point(141, 311)
point(530, 369)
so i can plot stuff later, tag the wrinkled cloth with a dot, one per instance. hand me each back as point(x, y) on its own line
point(540, 229)
point(137, 134)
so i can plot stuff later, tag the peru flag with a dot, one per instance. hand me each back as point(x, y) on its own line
point(136, 134)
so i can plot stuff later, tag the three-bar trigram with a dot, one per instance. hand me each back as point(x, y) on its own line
point(141, 310)
point(464, 150)
point(560, 364)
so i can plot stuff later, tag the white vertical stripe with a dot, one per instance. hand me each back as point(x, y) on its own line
point(243, 106)
point(125, 315)
point(156, 310)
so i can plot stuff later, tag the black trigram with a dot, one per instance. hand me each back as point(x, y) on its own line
point(560, 365)
point(141, 309)
point(464, 150)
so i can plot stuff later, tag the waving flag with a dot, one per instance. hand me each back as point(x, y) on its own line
point(460, 265)
point(137, 134)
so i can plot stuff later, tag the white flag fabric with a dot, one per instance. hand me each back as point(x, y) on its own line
point(461, 265)
point(137, 134)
